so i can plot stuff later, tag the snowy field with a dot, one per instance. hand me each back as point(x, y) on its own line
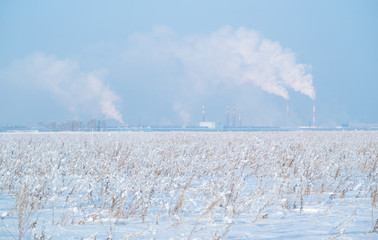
point(185, 185)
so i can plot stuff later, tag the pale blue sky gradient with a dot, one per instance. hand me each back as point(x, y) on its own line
point(339, 39)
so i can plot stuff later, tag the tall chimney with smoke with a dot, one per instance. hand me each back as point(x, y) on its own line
point(287, 109)
point(203, 112)
point(313, 114)
point(233, 116)
point(227, 120)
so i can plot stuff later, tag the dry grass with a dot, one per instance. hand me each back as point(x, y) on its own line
point(184, 177)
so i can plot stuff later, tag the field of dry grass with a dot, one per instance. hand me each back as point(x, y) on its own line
point(189, 185)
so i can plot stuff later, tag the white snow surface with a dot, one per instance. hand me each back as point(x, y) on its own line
point(189, 185)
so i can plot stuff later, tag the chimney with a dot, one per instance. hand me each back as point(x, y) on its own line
point(233, 115)
point(313, 114)
point(203, 112)
point(287, 109)
point(227, 120)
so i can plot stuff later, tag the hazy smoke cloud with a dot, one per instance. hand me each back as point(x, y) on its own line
point(180, 110)
point(70, 84)
point(228, 56)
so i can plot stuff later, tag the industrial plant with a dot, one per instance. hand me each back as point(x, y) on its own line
point(232, 123)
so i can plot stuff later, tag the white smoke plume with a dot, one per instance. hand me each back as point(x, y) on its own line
point(229, 56)
point(184, 115)
point(79, 90)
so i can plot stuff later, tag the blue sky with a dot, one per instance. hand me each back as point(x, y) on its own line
point(158, 62)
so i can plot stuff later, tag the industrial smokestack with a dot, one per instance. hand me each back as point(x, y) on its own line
point(227, 120)
point(313, 114)
point(239, 119)
point(203, 112)
point(233, 115)
point(287, 109)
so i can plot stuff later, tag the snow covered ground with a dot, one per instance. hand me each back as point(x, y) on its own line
point(186, 185)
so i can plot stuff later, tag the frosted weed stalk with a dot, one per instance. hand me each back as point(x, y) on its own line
point(206, 184)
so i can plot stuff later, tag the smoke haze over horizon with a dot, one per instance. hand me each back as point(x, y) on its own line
point(153, 64)
point(234, 57)
point(80, 91)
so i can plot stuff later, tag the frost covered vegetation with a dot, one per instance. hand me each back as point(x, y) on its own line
point(311, 185)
